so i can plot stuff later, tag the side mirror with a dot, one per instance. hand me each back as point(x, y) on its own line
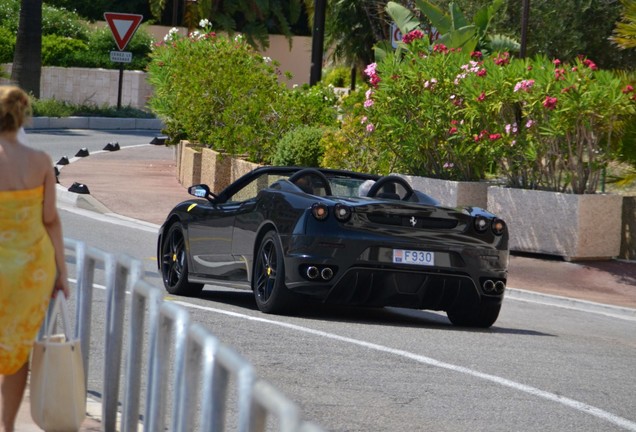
point(201, 191)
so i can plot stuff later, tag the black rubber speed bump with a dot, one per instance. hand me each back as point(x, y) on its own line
point(83, 152)
point(112, 146)
point(79, 188)
point(63, 161)
point(159, 140)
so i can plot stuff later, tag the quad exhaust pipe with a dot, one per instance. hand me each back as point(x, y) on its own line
point(494, 287)
point(314, 272)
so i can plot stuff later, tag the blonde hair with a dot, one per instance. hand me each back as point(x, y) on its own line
point(15, 108)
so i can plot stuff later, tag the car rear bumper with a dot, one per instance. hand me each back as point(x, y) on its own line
point(364, 273)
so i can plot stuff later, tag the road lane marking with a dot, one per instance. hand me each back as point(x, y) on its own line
point(571, 403)
point(568, 402)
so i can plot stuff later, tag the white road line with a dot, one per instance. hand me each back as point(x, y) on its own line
point(571, 403)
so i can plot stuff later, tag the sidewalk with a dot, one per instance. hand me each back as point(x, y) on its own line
point(141, 183)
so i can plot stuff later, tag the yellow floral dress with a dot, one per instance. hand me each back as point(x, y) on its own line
point(27, 274)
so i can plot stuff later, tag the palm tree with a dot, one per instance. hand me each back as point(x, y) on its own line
point(625, 31)
point(27, 59)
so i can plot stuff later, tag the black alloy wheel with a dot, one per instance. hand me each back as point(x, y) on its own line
point(268, 282)
point(174, 264)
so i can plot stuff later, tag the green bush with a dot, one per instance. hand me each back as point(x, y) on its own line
point(61, 51)
point(217, 91)
point(61, 22)
point(54, 20)
point(7, 45)
point(10, 14)
point(300, 147)
point(338, 77)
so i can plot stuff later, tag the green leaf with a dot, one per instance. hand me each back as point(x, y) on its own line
point(437, 18)
point(457, 17)
point(402, 17)
point(503, 43)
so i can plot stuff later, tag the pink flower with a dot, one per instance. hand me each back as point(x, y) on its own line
point(559, 74)
point(529, 124)
point(556, 62)
point(590, 64)
point(440, 48)
point(628, 89)
point(550, 102)
point(452, 131)
point(370, 127)
point(449, 165)
point(411, 36)
point(525, 85)
point(494, 137)
point(503, 59)
point(481, 72)
point(477, 55)
point(363, 120)
point(368, 103)
point(481, 97)
point(370, 69)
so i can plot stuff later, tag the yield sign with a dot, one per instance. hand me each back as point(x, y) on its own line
point(123, 26)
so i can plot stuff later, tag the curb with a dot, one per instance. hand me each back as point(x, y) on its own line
point(571, 303)
point(97, 123)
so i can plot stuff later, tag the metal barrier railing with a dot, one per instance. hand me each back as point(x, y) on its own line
point(201, 369)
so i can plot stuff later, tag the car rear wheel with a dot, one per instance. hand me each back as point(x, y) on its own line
point(268, 282)
point(174, 264)
point(483, 315)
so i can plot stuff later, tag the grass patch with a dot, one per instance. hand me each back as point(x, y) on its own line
point(56, 108)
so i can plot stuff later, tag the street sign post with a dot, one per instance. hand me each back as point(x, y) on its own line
point(123, 26)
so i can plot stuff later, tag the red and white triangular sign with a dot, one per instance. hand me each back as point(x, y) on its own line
point(123, 26)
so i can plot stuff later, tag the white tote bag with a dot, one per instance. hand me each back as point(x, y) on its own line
point(58, 389)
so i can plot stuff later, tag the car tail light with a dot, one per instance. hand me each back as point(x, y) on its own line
point(481, 223)
point(320, 211)
point(498, 226)
point(342, 212)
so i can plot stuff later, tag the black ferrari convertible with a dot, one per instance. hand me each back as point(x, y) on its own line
point(338, 237)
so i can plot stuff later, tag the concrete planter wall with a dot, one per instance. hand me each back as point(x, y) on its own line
point(452, 193)
point(215, 170)
point(208, 166)
point(576, 227)
point(189, 165)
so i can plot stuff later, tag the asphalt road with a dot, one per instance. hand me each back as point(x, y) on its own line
point(539, 368)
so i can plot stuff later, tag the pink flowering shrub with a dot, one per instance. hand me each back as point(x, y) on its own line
point(536, 123)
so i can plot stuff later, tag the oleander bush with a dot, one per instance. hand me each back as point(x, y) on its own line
point(539, 123)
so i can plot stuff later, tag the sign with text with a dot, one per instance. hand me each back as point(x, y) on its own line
point(123, 26)
point(120, 56)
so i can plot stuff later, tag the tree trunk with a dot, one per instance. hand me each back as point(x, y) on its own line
point(27, 59)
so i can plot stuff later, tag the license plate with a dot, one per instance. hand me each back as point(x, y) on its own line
point(414, 257)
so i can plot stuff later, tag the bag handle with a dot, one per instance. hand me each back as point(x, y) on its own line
point(60, 306)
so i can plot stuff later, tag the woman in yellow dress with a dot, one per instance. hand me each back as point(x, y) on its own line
point(32, 266)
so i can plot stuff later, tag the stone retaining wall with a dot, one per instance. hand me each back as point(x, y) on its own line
point(92, 86)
